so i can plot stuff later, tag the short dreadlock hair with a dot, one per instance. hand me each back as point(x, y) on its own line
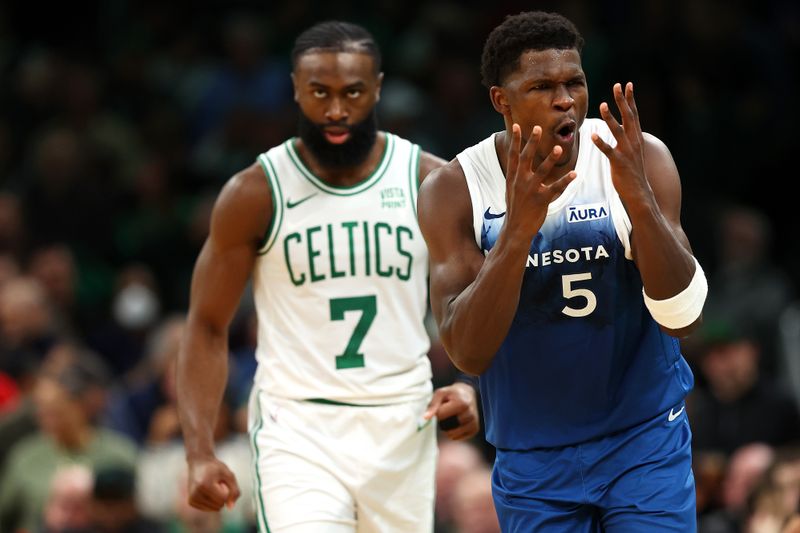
point(530, 30)
point(336, 36)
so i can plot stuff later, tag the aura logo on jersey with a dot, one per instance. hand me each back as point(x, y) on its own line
point(364, 249)
point(586, 212)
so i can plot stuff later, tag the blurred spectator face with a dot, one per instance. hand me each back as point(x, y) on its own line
point(731, 368)
point(745, 469)
point(23, 310)
point(786, 477)
point(58, 413)
point(473, 504)
point(456, 459)
point(68, 506)
point(59, 160)
point(113, 501)
point(745, 236)
point(54, 267)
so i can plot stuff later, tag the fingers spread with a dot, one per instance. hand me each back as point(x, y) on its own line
point(513, 152)
point(549, 162)
point(529, 151)
point(602, 145)
point(558, 187)
point(611, 120)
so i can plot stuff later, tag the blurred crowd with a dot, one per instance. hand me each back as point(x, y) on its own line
point(119, 122)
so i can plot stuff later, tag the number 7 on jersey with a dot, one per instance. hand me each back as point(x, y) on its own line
point(368, 306)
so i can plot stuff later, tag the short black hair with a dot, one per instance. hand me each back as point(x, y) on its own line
point(336, 36)
point(530, 30)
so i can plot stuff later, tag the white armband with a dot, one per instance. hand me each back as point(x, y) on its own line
point(682, 309)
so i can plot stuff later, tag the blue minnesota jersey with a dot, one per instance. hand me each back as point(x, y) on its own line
point(583, 357)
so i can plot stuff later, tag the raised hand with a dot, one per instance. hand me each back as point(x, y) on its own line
point(627, 157)
point(527, 195)
point(211, 485)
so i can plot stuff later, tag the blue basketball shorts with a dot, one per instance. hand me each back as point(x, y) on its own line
point(638, 480)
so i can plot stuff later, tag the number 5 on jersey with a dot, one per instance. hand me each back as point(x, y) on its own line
point(368, 306)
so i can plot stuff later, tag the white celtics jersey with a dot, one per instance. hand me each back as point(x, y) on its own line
point(340, 283)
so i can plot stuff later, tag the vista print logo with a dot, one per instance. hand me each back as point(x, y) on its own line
point(586, 212)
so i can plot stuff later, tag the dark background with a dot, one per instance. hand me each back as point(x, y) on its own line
point(714, 79)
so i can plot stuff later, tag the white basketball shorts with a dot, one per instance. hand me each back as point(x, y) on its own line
point(340, 468)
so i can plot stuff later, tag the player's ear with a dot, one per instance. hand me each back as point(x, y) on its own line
point(499, 100)
point(378, 86)
point(294, 87)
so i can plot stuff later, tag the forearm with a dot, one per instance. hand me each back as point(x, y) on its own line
point(662, 257)
point(201, 380)
point(477, 320)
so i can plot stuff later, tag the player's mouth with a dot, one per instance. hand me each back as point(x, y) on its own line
point(336, 134)
point(565, 132)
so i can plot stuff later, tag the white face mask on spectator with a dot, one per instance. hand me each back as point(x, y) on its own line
point(136, 306)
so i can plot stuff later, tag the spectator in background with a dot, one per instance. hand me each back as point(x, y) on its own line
point(456, 460)
point(26, 319)
point(473, 503)
point(68, 507)
point(747, 289)
point(730, 410)
point(773, 507)
point(143, 408)
point(55, 268)
point(114, 507)
point(744, 471)
point(135, 309)
point(162, 469)
point(67, 396)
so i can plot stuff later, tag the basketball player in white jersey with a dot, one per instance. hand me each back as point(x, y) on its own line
point(326, 225)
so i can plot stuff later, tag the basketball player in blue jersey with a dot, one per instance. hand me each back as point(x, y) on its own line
point(560, 275)
point(326, 225)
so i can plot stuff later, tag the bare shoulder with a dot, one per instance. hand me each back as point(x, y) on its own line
point(444, 205)
point(428, 163)
point(244, 207)
point(445, 179)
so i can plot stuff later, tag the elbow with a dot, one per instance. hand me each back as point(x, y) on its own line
point(464, 358)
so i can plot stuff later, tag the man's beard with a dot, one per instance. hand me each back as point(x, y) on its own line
point(352, 152)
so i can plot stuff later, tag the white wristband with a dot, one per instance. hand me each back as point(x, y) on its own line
point(682, 309)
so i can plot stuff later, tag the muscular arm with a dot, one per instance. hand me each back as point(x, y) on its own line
point(474, 299)
point(648, 184)
point(659, 245)
point(239, 220)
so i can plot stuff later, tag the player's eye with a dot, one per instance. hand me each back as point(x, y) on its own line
point(354, 93)
point(319, 93)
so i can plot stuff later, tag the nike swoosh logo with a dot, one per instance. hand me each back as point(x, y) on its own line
point(422, 424)
point(672, 415)
point(290, 204)
point(489, 215)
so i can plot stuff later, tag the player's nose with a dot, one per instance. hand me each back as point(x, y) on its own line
point(562, 99)
point(336, 110)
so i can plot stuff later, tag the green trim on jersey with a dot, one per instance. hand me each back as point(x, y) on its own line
point(323, 401)
point(261, 513)
point(372, 179)
point(413, 176)
point(277, 205)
